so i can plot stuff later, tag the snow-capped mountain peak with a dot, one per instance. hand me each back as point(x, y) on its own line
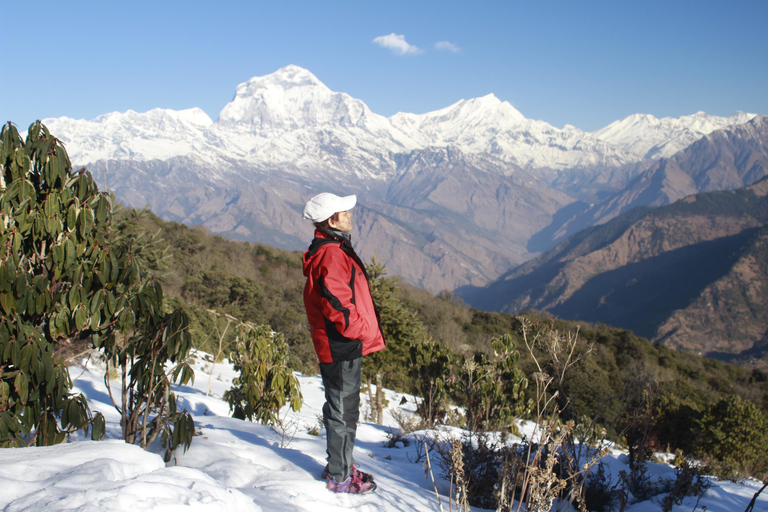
point(291, 98)
point(489, 125)
point(157, 118)
point(646, 136)
point(290, 119)
point(290, 76)
point(487, 109)
point(487, 114)
point(158, 134)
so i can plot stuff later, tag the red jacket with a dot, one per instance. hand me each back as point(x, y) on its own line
point(342, 317)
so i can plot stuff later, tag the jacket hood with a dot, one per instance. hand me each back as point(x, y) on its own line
point(322, 238)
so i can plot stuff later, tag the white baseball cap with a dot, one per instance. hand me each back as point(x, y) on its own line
point(324, 205)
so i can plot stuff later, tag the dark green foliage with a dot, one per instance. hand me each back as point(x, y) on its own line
point(265, 383)
point(217, 288)
point(71, 272)
point(430, 367)
point(401, 328)
point(505, 402)
point(638, 399)
point(593, 390)
point(484, 326)
point(141, 338)
point(442, 317)
point(677, 418)
point(49, 236)
point(679, 375)
point(492, 388)
point(734, 438)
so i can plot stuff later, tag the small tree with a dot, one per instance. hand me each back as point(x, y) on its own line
point(675, 421)
point(508, 403)
point(493, 387)
point(69, 273)
point(265, 383)
point(401, 328)
point(220, 347)
point(49, 226)
point(430, 363)
point(145, 343)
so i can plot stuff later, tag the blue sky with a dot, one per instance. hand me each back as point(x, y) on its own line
point(580, 62)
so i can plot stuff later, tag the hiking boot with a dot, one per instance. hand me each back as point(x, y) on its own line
point(352, 485)
point(363, 476)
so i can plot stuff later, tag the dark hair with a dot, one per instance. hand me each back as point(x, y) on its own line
point(325, 224)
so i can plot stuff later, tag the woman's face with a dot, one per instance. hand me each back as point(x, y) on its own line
point(341, 221)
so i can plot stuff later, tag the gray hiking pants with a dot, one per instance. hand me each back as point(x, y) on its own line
point(340, 414)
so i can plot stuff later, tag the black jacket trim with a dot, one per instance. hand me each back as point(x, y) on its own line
point(334, 301)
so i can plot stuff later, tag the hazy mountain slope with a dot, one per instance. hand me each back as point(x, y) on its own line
point(467, 213)
point(730, 315)
point(446, 220)
point(723, 160)
point(693, 274)
point(728, 158)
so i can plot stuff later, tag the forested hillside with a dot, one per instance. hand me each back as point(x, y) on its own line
point(213, 277)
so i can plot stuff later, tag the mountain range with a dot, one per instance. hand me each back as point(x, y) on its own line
point(721, 160)
point(692, 275)
point(449, 198)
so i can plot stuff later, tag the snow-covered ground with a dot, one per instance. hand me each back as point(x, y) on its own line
point(235, 465)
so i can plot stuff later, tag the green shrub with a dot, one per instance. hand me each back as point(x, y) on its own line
point(430, 364)
point(266, 383)
point(600, 494)
point(734, 438)
point(675, 422)
point(688, 481)
point(148, 344)
point(70, 271)
point(401, 327)
point(50, 226)
point(492, 388)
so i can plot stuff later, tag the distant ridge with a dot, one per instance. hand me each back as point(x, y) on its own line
point(722, 160)
point(693, 275)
